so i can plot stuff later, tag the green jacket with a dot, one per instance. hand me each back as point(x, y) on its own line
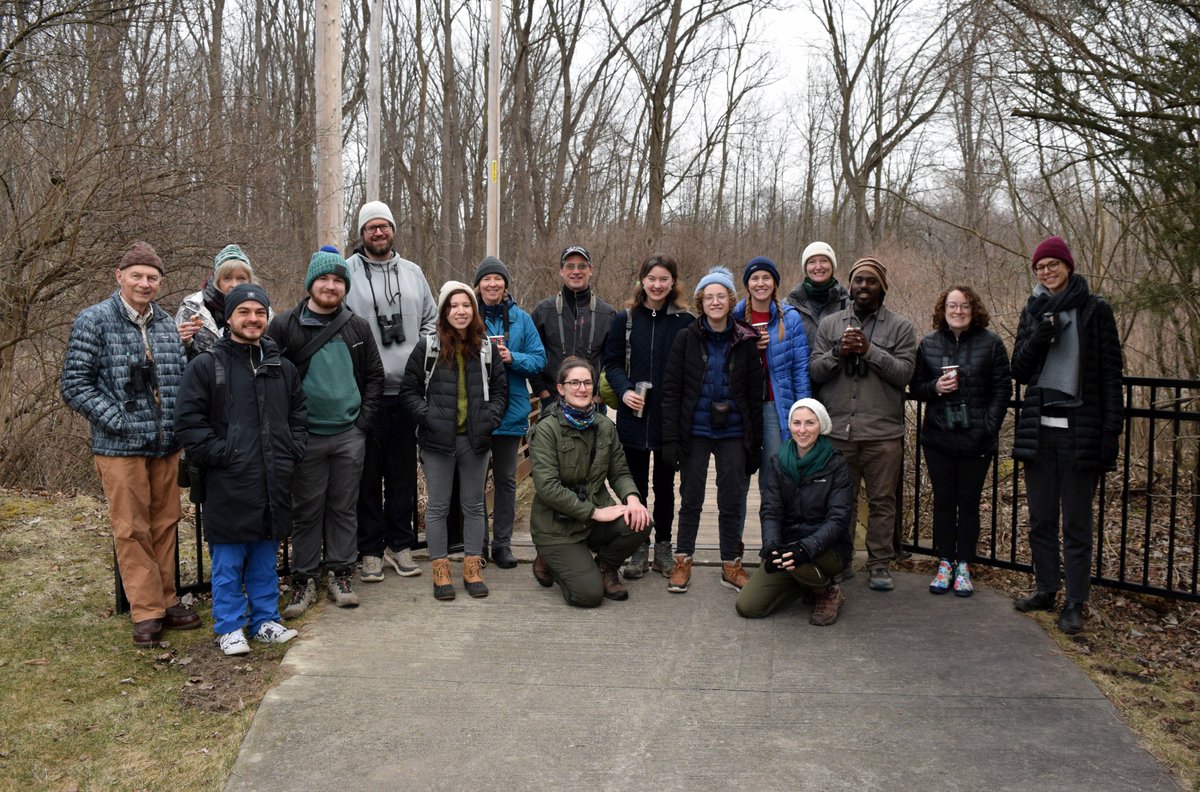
point(561, 459)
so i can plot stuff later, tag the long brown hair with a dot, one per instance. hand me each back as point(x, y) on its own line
point(980, 318)
point(778, 309)
point(670, 265)
point(452, 343)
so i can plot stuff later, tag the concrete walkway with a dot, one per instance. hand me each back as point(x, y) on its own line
point(676, 692)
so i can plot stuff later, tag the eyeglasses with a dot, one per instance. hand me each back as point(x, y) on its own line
point(577, 267)
point(371, 230)
point(709, 299)
point(1049, 266)
point(955, 307)
point(579, 384)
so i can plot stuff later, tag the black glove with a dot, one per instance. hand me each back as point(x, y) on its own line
point(796, 554)
point(770, 554)
point(1043, 333)
point(753, 461)
point(1110, 446)
point(670, 455)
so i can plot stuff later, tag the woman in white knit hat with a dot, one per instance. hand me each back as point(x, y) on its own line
point(819, 294)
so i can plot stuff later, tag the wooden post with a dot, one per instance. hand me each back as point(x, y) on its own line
point(331, 224)
point(493, 174)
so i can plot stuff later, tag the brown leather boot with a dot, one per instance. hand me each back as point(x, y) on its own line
point(829, 604)
point(614, 589)
point(733, 575)
point(473, 576)
point(541, 571)
point(443, 585)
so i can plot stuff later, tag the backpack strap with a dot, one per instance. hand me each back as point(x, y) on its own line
point(433, 346)
point(300, 359)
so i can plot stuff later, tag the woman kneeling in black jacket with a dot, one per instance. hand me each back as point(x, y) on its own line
point(807, 511)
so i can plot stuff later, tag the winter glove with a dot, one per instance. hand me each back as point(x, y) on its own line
point(1109, 448)
point(770, 554)
point(670, 455)
point(796, 555)
point(1043, 333)
point(753, 460)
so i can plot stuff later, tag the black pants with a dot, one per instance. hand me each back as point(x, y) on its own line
point(664, 488)
point(730, 459)
point(957, 486)
point(387, 494)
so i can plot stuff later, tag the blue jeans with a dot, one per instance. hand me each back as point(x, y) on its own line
point(772, 442)
point(244, 578)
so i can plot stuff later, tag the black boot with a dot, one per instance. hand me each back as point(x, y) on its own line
point(1070, 620)
point(503, 557)
point(1039, 600)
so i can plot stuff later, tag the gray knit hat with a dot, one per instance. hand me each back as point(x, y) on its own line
point(492, 266)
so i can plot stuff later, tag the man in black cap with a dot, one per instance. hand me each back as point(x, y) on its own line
point(573, 322)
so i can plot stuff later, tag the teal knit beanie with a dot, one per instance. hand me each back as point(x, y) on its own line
point(230, 252)
point(326, 261)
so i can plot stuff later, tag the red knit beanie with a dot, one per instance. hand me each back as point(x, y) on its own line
point(1054, 247)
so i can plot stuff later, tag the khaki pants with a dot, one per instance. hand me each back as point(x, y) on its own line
point(143, 508)
point(878, 464)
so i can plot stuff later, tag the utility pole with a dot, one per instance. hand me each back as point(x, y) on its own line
point(330, 192)
point(493, 174)
point(374, 101)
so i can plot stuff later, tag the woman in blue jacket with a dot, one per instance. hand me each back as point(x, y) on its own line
point(519, 348)
point(639, 342)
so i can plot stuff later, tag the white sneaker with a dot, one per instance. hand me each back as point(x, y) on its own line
point(402, 562)
point(273, 632)
point(372, 569)
point(234, 643)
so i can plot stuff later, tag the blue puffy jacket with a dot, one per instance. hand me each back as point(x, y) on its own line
point(529, 359)
point(95, 382)
point(787, 359)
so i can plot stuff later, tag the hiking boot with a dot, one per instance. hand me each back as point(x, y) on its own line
point(272, 632)
point(664, 559)
point(504, 557)
point(732, 574)
point(614, 589)
point(828, 605)
point(541, 571)
point(944, 577)
point(401, 561)
point(639, 563)
point(234, 643)
point(304, 594)
point(147, 632)
point(1037, 601)
point(372, 569)
point(881, 579)
point(181, 617)
point(472, 577)
point(1070, 620)
point(963, 587)
point(681, 577)
point(340, 591)
point(443, 586)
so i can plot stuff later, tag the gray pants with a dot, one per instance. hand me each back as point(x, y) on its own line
point(324, 503)
point(439, 483)
point(504, 488)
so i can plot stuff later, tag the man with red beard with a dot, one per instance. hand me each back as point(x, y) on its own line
point(338, 361)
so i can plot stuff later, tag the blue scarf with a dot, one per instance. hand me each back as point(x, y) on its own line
point(578, 419)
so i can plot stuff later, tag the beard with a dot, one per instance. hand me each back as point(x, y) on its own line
point(378, 250)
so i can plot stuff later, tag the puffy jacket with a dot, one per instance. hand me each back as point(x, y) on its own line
point(812, 313)
point(787, 360)
point(528, 360)
point(817, 511)
point(291, 336)
point(1096, 424)
point(579, 323)
point(650, 340)
point(984, 385)
point(208, 305)
point(436, 412)
point(870, 407)
point(684, 378)
point(250, 452)
point(96, 383)
point(565, 460)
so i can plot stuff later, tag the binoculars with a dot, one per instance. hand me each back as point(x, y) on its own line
point(854, 366)
point(142, 377)
point(391, 329)
point(957, 417)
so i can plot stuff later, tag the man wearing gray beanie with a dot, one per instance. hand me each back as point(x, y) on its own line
point(392, 294)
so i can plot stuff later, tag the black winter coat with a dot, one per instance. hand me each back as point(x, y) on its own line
point(584, 332)
point(291, 337)
point(684, 378)
point(650, 345)
point(249, 455)
point(984, 384)
point(436, 412)
point(817, 512)
point(1096, 424)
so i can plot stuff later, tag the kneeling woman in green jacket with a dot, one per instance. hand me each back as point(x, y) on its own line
point(574, 452)
point(807, 511)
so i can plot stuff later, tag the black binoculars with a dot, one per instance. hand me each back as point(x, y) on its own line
point(855, 366)
point(142, 377)
point(957, 417)
point(391, 329)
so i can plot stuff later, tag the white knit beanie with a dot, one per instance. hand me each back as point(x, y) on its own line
point(818, 249)
point(818, 410)
point(452, 286)
point(374, 210)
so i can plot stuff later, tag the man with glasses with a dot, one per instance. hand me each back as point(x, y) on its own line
point(573, 322)
point(392, 294)
point(122, 372)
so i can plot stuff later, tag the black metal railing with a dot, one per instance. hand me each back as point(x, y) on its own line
point(1147, 512)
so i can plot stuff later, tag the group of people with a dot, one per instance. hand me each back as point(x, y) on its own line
point(308, 424)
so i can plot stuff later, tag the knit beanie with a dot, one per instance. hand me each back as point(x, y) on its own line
point(230, 253)
point(818, 249)
point(326, 261)
point(491, 266)
point(140, 253)
point(454, 286)
point(1054, 247)
point(875, 266)
point(760, 263)
point(243, 292)
point(818, 410)
point(717, 274)
point(374, 210)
